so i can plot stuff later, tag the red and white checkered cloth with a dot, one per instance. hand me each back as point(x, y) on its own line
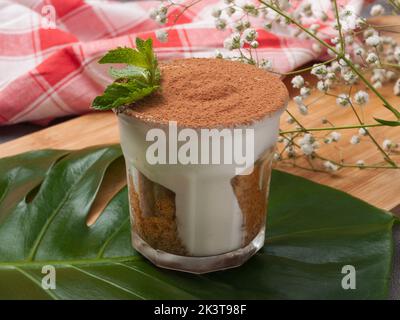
point(52, 72)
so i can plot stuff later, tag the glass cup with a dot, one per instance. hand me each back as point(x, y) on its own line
point(198, 217)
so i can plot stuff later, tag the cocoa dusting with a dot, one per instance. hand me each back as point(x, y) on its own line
point(252, 193)
point(211, 93)
point(153, 210)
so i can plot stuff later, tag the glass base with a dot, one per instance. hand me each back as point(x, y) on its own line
point(199, 265)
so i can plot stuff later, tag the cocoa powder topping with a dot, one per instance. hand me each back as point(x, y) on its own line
point(209, 93)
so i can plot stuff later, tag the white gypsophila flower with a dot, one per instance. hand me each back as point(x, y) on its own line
point(291, 152)
point(335, 67)
point(220, 24)
point(390, 75)
point(378, 75)
point(361, 97)
point(330, 166)
point(280, 139)
point(161, 18)
point(276, 156)
point(323, 16)
point(163, 9)
point(153, 13)
point(233, 42)
point(316, 47)
point(216, 12)
point(342, 100)
point(266, 65)
point(162, 35)
point(287, 142)
point(297, 82)
point(321, 86)
point(331, 76)
point(335, 40)
point(349, 39)
point(314, 27)
point(305, 92)
point(250, 35)
point(268, 26)
point(298, 100)
point(373, 40)
point(254, 44)
point(308, 138)
point(368, 32)
point(387, 40)
point(307, 149)
point(387, 144)
point(355, 139)
point(218, 54)
point(251, 9)
point(238, 26)
point(230, 11)
point(303, 109)
point(371, 58)
point(350, 77)
point(328, 140)
point(360, 163)
point(377, 84)
point(362, 132)
point(396, 88)
point(396, 53)
point(290, 120)
point(306, 9)
point(377, 10)
point(319, 70)
point(359, 51)
point(228, 43)
point(335, 136)
point(348, 19)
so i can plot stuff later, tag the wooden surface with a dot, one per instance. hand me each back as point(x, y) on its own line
point(380, 187)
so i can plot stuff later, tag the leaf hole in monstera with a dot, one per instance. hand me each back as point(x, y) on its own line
point(31, 195)
point(114, 181)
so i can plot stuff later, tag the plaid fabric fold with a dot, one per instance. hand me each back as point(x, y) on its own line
point(49, 49)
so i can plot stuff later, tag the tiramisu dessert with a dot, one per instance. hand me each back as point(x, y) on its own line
point(198, 217)
point(198, 137)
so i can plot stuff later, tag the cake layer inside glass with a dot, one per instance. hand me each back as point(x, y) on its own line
point(153, 208)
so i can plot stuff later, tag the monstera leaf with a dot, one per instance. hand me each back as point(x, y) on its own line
point(50, 214)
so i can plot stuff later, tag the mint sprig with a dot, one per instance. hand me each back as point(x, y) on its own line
point(140, 78)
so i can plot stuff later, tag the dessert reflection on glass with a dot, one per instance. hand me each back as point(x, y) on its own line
point(198, 217)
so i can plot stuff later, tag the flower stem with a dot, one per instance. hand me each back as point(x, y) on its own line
point(335, 128)
point(385, 155)
point(342, 44)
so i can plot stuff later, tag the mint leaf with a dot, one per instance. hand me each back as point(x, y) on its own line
point(140, 78)
point(118, 94)
point(125, 55)
point(130, 72)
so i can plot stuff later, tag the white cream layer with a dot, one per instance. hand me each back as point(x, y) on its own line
point(208, 216)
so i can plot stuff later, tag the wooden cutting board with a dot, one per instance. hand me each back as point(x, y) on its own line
point(380, 187)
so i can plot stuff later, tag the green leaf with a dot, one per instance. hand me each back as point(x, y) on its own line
point(125, 55)
point(393, 110)
point(118, 94)
point(312, 232)
point(142, 75)
point(388, 122)
point(130, 72)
